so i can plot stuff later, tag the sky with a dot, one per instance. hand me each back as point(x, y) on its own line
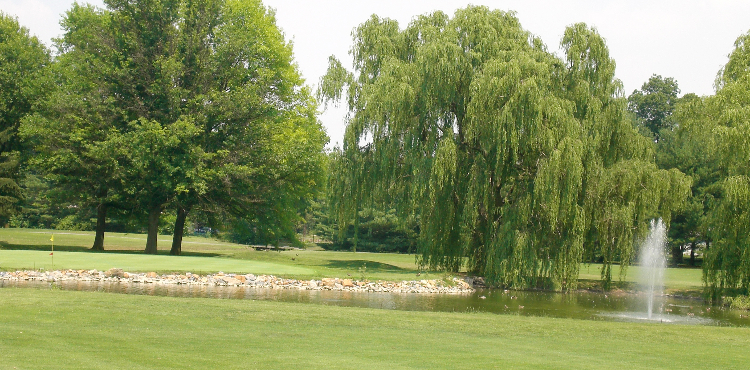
point(688, 40)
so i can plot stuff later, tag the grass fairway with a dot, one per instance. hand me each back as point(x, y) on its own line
point(52, 329)
point(29, 248)
point(143, 262)
point(675, 279)
point(81, 241)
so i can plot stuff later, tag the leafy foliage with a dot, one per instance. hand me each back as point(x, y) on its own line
point(515, 162)
point(177, 106)
point(381, 232)
point(654, 104)
point(726, 116)
point(22, 86)
point(710, 144)
point(690, 147)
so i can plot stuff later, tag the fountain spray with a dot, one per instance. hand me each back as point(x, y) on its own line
point(653, 262)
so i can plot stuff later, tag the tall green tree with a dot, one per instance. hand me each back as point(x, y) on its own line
point(182, 104)
point(655, 110)
point(512, 159)
point(726, 118)
point(654, 104)
point(23, 63)
point(70, 130)
point(691, 147)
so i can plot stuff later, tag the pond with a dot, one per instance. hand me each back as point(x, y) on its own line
point(576, 305)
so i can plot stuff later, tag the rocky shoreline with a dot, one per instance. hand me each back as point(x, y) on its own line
point(447, 286)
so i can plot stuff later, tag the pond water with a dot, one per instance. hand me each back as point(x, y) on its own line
point(577, 305)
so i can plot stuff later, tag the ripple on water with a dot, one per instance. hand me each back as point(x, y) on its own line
point(658, 318)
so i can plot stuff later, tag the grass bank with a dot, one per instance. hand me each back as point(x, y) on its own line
point(46, 329)
point(29, 248)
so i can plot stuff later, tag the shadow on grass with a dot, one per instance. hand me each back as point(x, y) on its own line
point(78, 248)
point(372, 266)
point(30, 247)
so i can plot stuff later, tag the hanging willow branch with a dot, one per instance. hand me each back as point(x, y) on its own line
point(516, 163)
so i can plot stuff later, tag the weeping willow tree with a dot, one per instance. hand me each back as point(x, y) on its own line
point(517, 163)
point(724, 119)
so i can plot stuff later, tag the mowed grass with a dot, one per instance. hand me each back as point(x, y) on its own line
point(686, 280)
point(81, 241)
point(53, 329)
point(29, 248)
point(23, 259)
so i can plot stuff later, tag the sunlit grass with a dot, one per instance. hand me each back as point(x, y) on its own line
point(53, 329)
point(29, 248)
point(675, 279)
point(79, 241)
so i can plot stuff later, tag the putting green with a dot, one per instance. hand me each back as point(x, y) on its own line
point(18, 259)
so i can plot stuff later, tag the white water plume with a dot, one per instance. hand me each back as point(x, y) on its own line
point(653, 263)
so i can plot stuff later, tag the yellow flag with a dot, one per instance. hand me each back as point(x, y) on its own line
point(52, 238)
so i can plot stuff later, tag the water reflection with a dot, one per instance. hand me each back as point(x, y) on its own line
point(577, 305)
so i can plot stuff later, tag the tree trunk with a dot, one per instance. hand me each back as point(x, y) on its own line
point(153, 230)
point(676, 255)
point(179, 227)
point(101, 220)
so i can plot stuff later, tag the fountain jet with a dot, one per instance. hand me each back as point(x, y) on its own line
point(653, 262)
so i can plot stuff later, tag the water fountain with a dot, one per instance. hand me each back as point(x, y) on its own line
point(653, 264)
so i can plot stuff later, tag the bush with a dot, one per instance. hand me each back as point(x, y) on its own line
point(72, 222)
point(740, 302)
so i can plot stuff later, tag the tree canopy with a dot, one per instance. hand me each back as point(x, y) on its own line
point(177, 105)
point(516, 162)
point(654, 104)
point(722, 122)
point(23, 62)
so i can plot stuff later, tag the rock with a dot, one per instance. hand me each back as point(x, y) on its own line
point(114, 272)
point(457, 286)
point(231, 281)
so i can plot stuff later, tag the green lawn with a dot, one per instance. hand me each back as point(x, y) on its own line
point(79, 241)
point(53, 329)
point(675, 279)
point(29, 248)
point(24, 259)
